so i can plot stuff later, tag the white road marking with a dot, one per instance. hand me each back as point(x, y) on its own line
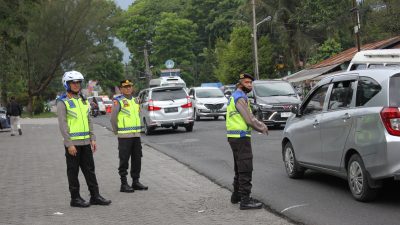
point(295, 206)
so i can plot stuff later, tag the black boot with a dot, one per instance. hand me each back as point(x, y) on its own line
point(235, 198)
point(99, 200)
point(20, 131)
point(247, 202)
point(79, 202)
point(138, 186)
point(125, 186)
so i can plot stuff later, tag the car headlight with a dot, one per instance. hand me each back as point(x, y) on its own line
point(265, 106)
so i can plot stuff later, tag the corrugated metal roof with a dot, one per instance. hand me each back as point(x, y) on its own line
point(348, 54)
point(309, 74)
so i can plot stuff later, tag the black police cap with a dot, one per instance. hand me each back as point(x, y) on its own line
point(125, 83)
point(246, 75)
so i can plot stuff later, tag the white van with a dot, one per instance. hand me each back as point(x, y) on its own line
point(369, 59)
point(167, 81)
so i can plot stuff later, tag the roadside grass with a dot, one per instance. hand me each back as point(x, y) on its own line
point(41, 115)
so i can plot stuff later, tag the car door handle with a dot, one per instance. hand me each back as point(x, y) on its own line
point(316, 123)
point(346, 117)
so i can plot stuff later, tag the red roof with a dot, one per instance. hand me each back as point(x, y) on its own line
point(348, 54)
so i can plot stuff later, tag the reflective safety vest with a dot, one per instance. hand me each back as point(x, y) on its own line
point(128, 116)
point(235, 124)
point(77, 118)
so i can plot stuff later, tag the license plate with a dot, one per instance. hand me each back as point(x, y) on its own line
point(171, 110)
point(285, 114)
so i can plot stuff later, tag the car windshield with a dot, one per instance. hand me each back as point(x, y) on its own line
point(209, 93)
point(274, 89)
point(98, 99)
point(108, 102)
point(169, 94)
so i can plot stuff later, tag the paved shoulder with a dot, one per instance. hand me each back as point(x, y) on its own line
point(34, 187)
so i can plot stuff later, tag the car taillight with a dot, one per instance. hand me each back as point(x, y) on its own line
point(151, 107)
point(188, 104)
point(391, 119)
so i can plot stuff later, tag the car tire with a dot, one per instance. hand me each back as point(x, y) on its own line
point(147, 130)
point(216, 117)
point(293, 169)
point(196, 117)
point(189, 128)
point(358, 181)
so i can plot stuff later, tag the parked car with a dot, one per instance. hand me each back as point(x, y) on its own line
point(99, 101)
point(209, 102)
point(4, 121)
point(165, 107)
point(272, 100)
point(348, 126)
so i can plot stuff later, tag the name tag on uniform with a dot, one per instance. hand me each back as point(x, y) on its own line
point(71, 104)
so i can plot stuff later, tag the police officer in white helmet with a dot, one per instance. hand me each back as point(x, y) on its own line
point(79, 140)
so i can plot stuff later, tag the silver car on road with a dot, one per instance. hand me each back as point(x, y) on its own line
point(165, 107)
point(348, 126)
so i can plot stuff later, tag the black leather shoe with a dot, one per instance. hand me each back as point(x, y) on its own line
point(19, 131)
point(99, 200)
point(138, 186)
point(126, 188)
point(79, 202)
point(235, 198)
point(249, 203)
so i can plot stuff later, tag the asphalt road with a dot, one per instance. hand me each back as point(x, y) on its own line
point(316, 199)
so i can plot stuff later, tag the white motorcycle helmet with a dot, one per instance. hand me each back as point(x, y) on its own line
point(71, 76)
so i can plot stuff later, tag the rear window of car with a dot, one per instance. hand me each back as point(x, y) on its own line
point(394, 90)
point(168, 94)
point(367, 88)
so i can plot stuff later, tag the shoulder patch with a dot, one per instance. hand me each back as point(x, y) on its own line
point(116, 102)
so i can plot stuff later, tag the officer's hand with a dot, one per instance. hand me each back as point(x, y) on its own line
point(72, 150)
point(265, 131)
point(93, 145)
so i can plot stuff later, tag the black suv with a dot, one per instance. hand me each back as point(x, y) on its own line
point(272, 100)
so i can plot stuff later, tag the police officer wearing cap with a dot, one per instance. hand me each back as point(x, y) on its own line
point(79, 140)
point(125, 122)
point(239, 123)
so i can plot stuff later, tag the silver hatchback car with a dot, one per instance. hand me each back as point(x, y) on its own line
point(165, 107)
point(348, 126)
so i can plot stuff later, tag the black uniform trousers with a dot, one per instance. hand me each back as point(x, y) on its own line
point(130, 148)
point(84, 160)
point(243, 164)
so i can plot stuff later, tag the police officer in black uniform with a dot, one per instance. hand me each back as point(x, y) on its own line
point(125, 122)
point(239, 121)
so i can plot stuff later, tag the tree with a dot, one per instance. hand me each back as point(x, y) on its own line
point(328, 49)
point(234, 57)
point(62, 35)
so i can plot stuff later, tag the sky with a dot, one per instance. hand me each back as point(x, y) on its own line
point(124, 4)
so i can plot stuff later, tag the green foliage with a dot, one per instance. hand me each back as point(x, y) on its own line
point(173, 39)
point(328, 49)
point(234, 57)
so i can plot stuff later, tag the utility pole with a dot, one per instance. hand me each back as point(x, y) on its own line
point(256, 75)
point(148, 71)
point(356, 21)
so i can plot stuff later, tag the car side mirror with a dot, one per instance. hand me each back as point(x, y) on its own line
point(295, 110)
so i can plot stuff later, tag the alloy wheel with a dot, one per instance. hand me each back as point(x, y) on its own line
point(356, 178)
point(289, 160)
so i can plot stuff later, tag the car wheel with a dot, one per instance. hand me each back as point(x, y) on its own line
point(216, 117)
point(196, 117)
point(293, 169)
point(189, 128)
point(147, 129)
point(358, 180)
